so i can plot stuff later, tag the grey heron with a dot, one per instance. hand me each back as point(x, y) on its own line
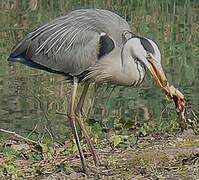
point(91, 45)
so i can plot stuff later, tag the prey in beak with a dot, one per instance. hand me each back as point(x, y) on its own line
point(171, 92)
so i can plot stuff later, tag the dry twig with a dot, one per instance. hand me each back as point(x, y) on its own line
point(19, 136)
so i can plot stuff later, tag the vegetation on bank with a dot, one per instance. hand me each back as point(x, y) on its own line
point(154, 156)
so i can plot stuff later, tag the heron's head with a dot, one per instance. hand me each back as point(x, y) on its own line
point(147, 51)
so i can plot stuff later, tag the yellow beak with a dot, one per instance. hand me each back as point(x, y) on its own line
point(170, 91)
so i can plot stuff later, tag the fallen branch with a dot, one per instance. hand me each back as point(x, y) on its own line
point(19, 136)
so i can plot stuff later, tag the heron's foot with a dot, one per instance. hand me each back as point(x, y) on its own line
point(93, 170)
point(98, 171)
point(94, 155)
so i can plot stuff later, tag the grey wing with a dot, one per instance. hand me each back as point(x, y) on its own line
point(71, 55)
point(69, 44)
point(67, 55)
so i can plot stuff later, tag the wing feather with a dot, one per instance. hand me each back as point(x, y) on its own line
point(70, 43)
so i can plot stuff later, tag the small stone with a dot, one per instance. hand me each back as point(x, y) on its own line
point(187, 133)
point(195, 152)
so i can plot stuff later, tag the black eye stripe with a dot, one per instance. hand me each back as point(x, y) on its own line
point(147, 45)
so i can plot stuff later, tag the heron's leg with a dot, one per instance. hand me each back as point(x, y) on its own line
point(72, 119)
point(79, 112)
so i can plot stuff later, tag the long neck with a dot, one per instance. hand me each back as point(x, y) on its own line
point(119, 67)
point(133, 69)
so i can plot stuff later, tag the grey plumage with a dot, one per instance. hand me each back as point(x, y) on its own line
point(70, 44)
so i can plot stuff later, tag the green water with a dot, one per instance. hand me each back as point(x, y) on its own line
point(30, 99)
